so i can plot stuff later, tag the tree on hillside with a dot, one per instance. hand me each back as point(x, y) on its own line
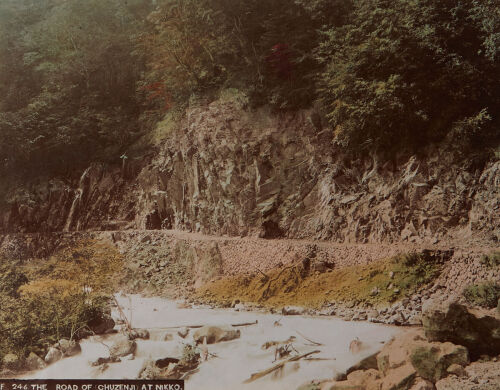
point(403, 74)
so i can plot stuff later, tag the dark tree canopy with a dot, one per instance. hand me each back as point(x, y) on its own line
point(81, 80)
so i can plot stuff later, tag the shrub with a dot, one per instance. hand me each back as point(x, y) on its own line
point(484, 294)
point(38, 319)
point(65, 293)
point(491, 260)
point(11, 279)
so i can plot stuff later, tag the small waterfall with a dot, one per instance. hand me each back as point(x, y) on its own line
point(76, 200)
point(74, 205)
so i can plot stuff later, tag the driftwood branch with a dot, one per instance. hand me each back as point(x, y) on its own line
point(246, 323)
point(201, 326)
point(308, 339)
point(262, 373)
point(122, 314)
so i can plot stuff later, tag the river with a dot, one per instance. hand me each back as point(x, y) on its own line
point(235, 360)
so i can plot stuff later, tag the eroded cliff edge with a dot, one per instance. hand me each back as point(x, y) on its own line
point(224, 170)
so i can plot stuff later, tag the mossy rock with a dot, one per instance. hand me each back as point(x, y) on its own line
point(432, 361)
point(478, 331)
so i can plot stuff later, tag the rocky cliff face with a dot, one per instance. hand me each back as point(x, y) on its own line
point(229, 171)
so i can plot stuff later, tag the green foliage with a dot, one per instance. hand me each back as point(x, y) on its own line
point(416, 269)
point(68, 73)
point(33, 322)
point(491, 260)
point(11, 279)
point(402, 74)
point(81, 80)
point(264, 49)
point(64, 294)
point(484, 294)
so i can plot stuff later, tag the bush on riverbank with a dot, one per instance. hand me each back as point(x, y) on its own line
point(485, 294)
point(491, 260)
point(47, 300)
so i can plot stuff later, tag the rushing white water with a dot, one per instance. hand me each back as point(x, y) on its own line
point(236, 360)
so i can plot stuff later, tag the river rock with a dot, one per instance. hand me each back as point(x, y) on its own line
point(183, 332)
point(293, 311)
point(215, 334)
point(101, 325)
point(433, 360)
point(105, 360)
point(68, 348)
point(122, 346)
point(357, 380)
point(35, 362)
point(139, 334)
point(422, 384)
point(410, 354)
point(457, 369)
point(168, 337)
point(53, 355)
point(478, 330)
point(367, 363)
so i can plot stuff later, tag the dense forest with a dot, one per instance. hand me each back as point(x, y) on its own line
point(80, 81)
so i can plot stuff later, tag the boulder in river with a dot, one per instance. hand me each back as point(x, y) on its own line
point(122, 346)
point(478, 330)
point(35, 362)
point(215, 334)
point(139, 334)
point(409, 355)
point(68, 347)
point(293, 311)
point(53, 355)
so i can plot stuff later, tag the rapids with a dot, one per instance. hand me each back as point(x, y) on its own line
point(235, 360)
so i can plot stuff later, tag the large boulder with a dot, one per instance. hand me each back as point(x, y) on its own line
point(35, 362)
point(122, 346)
point(69, 347)
point(411, 355)
point(53, 355)
point(478, 330)
point(293, 311)
point(215, 334)
point(434, 359)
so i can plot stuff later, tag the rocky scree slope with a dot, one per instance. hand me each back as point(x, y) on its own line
point(226, 170)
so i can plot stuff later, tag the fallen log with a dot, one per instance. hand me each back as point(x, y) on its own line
point(262, 373)
point(201, 326)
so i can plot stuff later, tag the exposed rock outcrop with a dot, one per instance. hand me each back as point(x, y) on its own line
point(229, 171)
point(407, 362)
